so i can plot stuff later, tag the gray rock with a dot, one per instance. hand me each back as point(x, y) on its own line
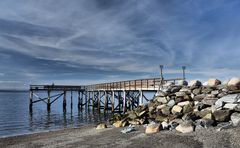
point(197, 91)
point(180, 94)
point(171, 103)
point(175, 89)
point(231, 98)
point(165, 125)
point(209, 101)
point(199, 97)
point(235, 118)
point(230, 106)
point(222, 115)
point(166, 110)
point(215, 92)
point(185, 128)
point(128, 130)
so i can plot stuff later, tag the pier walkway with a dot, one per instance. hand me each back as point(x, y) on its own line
point(115, 96)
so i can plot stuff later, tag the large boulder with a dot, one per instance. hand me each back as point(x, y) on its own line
point(185, 128)
point(152, 128)
point(234, 82)
point(213, 82)
point(162, 99)
point(231, 98)
point(222, 115)
point(209, 101)
point(194, 83)
point(235, 118)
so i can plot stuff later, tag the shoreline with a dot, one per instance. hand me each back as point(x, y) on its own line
point(88, 136)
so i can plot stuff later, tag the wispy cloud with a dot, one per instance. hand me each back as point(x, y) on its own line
point(94, 41)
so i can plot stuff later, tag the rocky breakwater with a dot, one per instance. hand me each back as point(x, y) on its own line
point(186, 107)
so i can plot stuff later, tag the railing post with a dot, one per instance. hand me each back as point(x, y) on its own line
point(113, 100)
point(64, 101)
point(124, 101)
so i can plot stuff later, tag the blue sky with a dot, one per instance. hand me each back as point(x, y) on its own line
point(91, 41)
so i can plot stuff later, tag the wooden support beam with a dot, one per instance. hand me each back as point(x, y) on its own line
point(141, 97)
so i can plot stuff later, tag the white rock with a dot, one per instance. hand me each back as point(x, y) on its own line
point(213, 82)
point(234, 82)
point(162, 99)
point(176, 109)
point(231, 98)
point(152, 128)
point(164, 125)
point(183, 103)
point(230, 106)
point(185, 128)
point(235, 118)
point(194, 83)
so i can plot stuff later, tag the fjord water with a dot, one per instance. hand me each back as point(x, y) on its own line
point(15, 118)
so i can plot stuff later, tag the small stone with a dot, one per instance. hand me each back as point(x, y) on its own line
point(164, 125)
point(197, 91)
point(171, 103)
point(203, 112)
point(187, 108)
point(117, 124)
point(213, 82)
point(162, 99)
point(215, 92)
point(159, 107)
point(185, 128)
point(235, 118)
point(128, 130)
point(182, 83)
point(208, 116)
point(234, 82)
point(180, 94)
point(152, 128)
point(206, 123)
point(199, 97)
point(101, 126)
point(134, 122)
point(166, 110)
point(222, 115)
point(230, 106)
point(186, 90)
point(176, 109)
point(209, 101)
point(194, 83)
point(175, 89)
point(183, 103)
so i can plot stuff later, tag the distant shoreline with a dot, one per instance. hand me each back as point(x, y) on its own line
point(14, 91)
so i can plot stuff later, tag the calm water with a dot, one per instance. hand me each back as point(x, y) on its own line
point(15, 118)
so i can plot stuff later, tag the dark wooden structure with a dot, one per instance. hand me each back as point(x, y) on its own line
point(114, 96)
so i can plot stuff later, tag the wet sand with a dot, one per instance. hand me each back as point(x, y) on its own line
point(88, 136)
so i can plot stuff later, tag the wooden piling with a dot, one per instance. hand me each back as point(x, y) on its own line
point(49, 101)
point(99, 101)
point(64, 100)
point(113, 100)
point(79, 99)
point(30, 100)
point(71, 100)
point(141, 97)
point(124, 101)
point(93, 99)
point(106, 101)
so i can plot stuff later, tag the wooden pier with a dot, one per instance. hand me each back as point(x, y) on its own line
point(115, 96)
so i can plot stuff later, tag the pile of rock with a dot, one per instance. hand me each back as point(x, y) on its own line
point(187, 107)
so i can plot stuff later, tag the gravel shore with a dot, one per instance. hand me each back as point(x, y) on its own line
point(88, 136)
